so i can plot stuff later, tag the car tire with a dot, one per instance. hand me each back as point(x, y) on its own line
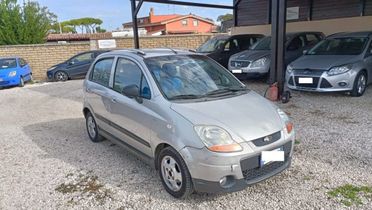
point(174, 173)
point(360, 84)
point(21, 82)
point(60, 76)
point(92, 128)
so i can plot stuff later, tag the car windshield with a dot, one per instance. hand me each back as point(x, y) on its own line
point(192, 77)
point(211, 45)
point(263, 44)
point(8, 63)
point(340, 46)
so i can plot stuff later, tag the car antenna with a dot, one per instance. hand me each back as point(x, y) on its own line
point(174, 51)
point(138, 51)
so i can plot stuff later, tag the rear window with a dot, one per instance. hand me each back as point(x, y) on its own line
point(8, 63)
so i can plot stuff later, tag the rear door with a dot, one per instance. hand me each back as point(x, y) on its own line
point(78, 66)
point(98, 91)
point(26, 70)
point(131, 119)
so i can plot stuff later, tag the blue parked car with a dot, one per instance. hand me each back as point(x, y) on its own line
point(14, 71)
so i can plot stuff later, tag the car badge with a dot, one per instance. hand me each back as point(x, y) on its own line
point(267, 139)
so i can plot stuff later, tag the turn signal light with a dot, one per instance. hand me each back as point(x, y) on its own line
point(225, 148)
point(289, 127)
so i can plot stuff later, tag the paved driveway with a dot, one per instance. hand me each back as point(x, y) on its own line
point(48, 162)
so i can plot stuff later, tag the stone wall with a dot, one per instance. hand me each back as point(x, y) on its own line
point(43, 56)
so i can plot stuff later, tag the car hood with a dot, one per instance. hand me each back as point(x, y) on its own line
point(323, 62)
point(250, 55)
point(5, 72)
point(245, 117)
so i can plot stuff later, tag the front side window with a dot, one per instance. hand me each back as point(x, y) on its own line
point(101, 71)
point(8, 63)
point(232, 45)
point(83, 58)
point(297, 43)
point(340, 46)
point(22, 62)
point(128, 73)
point(192, 77)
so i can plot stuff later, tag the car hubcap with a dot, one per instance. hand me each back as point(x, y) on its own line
point(91, 127)
point(171, 172)
point(361, 84)
point(61, 76)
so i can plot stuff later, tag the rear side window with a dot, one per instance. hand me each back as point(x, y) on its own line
point(101, 71)
point(129, 73)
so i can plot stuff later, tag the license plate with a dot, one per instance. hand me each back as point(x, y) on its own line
point(276, 155)
point(305, 80)
point(237, 71)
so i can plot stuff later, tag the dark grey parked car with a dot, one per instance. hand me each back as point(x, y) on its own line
point(256, 61)
point(221, 47)
point(74, 68)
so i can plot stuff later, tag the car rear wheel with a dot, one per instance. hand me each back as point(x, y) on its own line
point(21, 82)
point(92, 128)
point(61, 76)
point(360, 84)
point(174, 173)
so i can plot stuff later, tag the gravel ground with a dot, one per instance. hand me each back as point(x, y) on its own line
point(48, 162)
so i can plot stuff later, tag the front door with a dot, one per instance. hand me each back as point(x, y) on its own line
point(131, 119)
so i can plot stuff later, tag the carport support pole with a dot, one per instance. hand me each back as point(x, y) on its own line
point(278, 38)
point(135, 24)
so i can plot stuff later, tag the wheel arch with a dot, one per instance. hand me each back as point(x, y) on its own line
point(158, 148)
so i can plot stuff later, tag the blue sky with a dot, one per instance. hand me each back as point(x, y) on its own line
point(115, 12)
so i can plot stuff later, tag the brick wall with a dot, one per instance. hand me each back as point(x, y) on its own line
point(41, 57)
point(175, 41)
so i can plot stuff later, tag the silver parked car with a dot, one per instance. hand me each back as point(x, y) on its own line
point(190, 118)
point(342, 62)
point(256, 61)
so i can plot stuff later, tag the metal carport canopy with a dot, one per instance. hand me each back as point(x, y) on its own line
point(278, 30)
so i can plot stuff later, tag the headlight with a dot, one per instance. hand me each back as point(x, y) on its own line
point(262, 62)
point(12, 74)
point(52, 68)
point(217, 139)
point(286, 120)
point(340, 69)
point(289, 69)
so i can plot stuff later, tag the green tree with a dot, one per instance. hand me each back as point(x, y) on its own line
point(86, 25)
point(225, 17)
point(27, 24)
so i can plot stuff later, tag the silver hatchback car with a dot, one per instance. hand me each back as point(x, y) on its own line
point(341, 62)
point(187, 116)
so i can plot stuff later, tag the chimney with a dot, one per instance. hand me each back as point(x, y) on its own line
point(151, 14)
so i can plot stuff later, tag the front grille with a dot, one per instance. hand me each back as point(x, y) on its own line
point(325, 84)
point(259, 172)
point(313, 85)
point(267, 139)
point(251, 166)
point(239, 64)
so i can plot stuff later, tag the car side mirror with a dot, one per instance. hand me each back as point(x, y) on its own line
point(305, 52)
point(132, 91)
point(71, 62)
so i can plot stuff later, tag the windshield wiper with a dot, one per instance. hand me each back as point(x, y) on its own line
point(224, 91)
point(186, 96)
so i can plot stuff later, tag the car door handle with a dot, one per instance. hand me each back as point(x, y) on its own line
point(113, 100)
point(88, 90)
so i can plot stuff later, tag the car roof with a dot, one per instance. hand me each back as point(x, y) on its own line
point(147, 53)
point(14, 57)
point(351, 34)
point(292, 34)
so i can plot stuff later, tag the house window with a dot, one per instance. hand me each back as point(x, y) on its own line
point(184, 22)
point(196, 23)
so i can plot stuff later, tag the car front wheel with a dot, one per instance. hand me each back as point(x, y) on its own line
point(360, 84)
point(60, 76)
point(174, 173)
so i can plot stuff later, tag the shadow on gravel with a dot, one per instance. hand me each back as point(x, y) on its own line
point(67, 141)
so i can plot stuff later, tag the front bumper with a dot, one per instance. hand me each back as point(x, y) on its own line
point(50, 75)
point(240, 169)
point(7, 82)
point(322, 82)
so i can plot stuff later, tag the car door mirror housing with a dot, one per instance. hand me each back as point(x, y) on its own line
point(132, 91)
point(71, 62)
point(305, 52)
